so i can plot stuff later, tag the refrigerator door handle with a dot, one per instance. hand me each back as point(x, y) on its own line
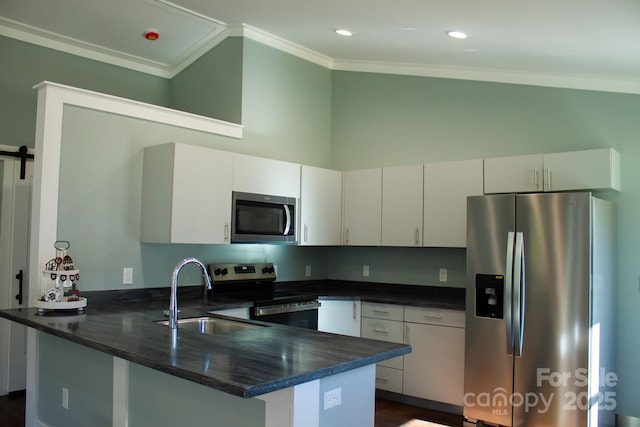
point(518, 294)
point(508, 288)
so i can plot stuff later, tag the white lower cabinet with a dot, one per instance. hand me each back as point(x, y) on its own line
point(339, 317)
point(434, 370)
point(384, 322)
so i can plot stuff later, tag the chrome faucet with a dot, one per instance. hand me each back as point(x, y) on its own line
point(173, 302)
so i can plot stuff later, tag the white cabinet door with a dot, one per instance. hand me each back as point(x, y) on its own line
point(186, 194)
point(320, 206)
point(446, 188)
point(362, 204)
point(513, 174)
point(597, 169)
point(265, 176)
point(434, 369)
point(402, 194)
point(339, 317)
point(582, 170)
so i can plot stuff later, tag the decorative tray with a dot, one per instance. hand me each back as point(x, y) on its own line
point(61, 305)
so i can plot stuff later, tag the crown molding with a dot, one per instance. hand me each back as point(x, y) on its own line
point(54, 41)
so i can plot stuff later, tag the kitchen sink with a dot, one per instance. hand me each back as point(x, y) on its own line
point(213, 325)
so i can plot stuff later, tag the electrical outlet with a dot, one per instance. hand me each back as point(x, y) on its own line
point(65, 398)
point(127, 276)
point(443, 274)
point(332, 398)
point(365, 270)
point(307, 271)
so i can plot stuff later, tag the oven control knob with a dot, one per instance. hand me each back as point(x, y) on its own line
point(267, 270)
point(224, 271)
point(217, 272)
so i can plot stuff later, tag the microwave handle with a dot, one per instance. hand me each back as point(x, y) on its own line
point(287, 213)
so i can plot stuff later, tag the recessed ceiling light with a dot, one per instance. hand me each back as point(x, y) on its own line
point(345, 33)
point(457, 34)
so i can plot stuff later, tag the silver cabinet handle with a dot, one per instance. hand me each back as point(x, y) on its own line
point(346, 235)
point(547, 180)
point(226, 231)
point(306, 234)
point(381, 379)
point(432, 316)
point(536, 180)
point(380, 331)
point(380, 310)
point(355, 310)
point(417, 236)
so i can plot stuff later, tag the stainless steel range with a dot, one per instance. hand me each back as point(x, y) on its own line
point(255, 282)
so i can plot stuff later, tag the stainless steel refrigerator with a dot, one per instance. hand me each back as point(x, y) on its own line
point(540, 310)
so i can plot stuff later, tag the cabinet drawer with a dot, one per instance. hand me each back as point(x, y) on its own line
point(383, 311)
point(396, 363)
point(389, 379)
point(434, 316)
point(383, 330)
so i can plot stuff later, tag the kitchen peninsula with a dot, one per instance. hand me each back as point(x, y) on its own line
point(270, 375)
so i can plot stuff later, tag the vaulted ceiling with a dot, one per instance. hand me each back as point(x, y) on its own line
point(586, 44)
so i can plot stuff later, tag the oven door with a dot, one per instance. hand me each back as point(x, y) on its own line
point(301, 315)
point(259, 218)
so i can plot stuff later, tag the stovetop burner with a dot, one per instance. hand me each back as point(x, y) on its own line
point(251, 282)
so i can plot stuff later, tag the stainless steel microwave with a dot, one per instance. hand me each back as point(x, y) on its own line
point(261, 218)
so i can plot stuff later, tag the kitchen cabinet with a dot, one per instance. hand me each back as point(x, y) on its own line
point(402, 195)
point(434, 370)
point(582, 170)
point(597, 169)
point(320, 206)
point(446, 188)
point(259, 175)
point(385, 322)
point(340, 317)
point(362, 207)
point(186, 194)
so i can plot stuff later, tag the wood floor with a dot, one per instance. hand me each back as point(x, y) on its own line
point(394, 414)
point(388, 413)
point(12, 410)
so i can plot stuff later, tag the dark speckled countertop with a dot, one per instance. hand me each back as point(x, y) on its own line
point(247, 363)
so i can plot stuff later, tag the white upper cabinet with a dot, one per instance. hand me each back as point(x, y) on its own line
point(320, 206)
point(186, 194)
point(402, 194)
point(265, 176)
point(582, 170)
point(597, 169)
point(362, 205)
point(446, 188)
point(513, 174)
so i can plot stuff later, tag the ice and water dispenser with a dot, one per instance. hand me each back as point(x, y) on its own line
point(490, 296)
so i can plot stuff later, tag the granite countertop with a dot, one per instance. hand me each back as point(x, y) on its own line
point(247, 363)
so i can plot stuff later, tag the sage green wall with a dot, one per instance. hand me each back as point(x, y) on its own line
point(286, 107)
point(212, 86)
point(99, 207)
point(25, 65)
point(381, 120)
